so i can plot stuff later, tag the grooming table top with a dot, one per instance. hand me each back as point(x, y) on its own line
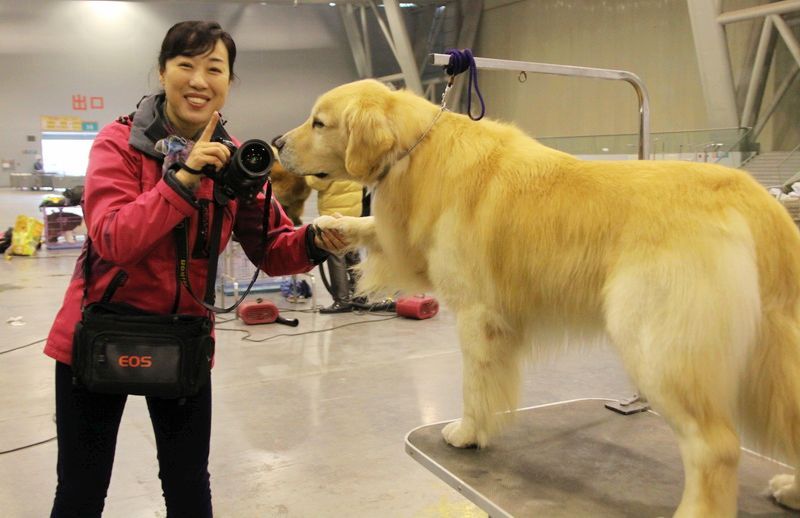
point(577, 458)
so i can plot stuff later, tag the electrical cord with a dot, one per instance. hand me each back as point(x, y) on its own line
point(59, 256)
point(29, 445)
point(362, 309)
point(244, 338)
point(36, 443)
point(357, 311)
point(23, 346)
point(247, 338)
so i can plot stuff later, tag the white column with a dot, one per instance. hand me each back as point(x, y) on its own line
point(714, 64)
point(402, 46)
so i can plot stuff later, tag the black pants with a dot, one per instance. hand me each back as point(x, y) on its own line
point(343, 280)
point(87, 425)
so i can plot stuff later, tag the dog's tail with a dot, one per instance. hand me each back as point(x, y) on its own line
point(769, 399)
point(770, 392)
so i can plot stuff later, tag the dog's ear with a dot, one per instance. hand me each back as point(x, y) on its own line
point(370, 137)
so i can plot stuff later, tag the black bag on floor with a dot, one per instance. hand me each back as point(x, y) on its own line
point(120, 349)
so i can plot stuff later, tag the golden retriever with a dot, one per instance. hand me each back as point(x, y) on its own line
point(692, 271)
point(291, 191)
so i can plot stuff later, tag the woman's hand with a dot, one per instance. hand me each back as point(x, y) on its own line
point(331, 240)
point(204, 152)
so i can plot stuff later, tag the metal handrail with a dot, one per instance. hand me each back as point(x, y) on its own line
point(733, 146)
point(792, 152)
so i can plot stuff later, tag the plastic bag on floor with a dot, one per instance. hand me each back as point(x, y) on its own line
point(294, 288)
point(26, 236)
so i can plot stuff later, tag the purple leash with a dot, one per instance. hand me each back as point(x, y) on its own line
point(461, 61)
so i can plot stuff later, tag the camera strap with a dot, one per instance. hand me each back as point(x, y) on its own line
point(182, 260)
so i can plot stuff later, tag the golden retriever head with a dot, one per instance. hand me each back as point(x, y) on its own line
point(354, 131)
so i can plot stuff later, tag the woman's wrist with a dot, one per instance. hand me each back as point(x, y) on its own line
point(187, 179)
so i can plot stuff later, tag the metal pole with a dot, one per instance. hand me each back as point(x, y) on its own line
point(785, 6)
point(713, 61)
point(776, 99)
point(568, 70)
point(758, 75)
point(788, 37)
point(402, 45)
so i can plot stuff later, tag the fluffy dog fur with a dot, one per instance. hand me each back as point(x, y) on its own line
point(691, 270)
point(291, 191)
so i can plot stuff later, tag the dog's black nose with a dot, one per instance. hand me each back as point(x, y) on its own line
point(278, 142)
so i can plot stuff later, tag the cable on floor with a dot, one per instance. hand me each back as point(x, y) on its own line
point(29, 445)
point(247, 338)
point(23, 346)
point(369, 312)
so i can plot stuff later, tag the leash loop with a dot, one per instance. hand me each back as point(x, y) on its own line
point(461, 61)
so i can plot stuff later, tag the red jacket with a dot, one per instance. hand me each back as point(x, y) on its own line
point(130, 213)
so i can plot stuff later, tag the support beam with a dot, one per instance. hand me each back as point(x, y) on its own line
point(433, 35)
point(788, 36)
point(758, 76)
point(470, 19)
point(424, 20)
point(402, 46)
point(779, 94)
point(758, 11)
point(362, 11)
point(384, 28)
point(354, 37)
point(714, 63)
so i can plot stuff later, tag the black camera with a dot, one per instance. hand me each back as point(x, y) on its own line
point(244, 176)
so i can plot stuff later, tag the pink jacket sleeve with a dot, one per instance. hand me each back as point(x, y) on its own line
point(289, 250)
point(124, 222)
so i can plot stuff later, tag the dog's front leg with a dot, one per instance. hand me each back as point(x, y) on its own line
point(359, 232)
point(491, 377)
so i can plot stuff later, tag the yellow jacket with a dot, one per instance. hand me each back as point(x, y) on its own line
point(342, 196)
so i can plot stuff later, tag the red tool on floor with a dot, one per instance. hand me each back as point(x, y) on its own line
point(418, 307)
point(263, 312)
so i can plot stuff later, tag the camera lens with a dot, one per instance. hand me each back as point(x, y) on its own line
point(255, 157)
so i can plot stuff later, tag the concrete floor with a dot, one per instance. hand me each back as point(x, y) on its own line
point(304, 426)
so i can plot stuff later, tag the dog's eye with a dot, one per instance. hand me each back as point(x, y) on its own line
point(317, 124)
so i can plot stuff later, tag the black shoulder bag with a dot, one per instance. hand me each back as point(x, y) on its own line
point(122, 349)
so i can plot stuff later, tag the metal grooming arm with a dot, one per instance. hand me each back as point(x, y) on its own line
point(567, 70)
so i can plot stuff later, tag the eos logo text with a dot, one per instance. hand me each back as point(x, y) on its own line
point(135, 361)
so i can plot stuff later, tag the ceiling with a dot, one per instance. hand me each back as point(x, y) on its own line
point(45, 27)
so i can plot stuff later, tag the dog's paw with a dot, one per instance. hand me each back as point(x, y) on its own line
point(784, 491)
point(459, 434)
point(327, 223)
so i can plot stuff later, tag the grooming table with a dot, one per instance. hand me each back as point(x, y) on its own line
point(577, 458)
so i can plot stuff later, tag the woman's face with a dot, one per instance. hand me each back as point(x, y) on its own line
point(195, 87)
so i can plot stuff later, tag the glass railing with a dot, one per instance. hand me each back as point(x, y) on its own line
point(725, 146)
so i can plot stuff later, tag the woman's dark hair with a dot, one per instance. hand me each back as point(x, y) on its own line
point(194, 38)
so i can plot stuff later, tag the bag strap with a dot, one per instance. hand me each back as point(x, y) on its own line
point(119, 279)
point(182, 260)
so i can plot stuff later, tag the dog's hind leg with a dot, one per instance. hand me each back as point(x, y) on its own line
point(661, 365)
point(710, 450)
point(491, 355)
point(785, 490)
point(685, 323)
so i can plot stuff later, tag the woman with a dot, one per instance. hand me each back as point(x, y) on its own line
point(141, 183)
